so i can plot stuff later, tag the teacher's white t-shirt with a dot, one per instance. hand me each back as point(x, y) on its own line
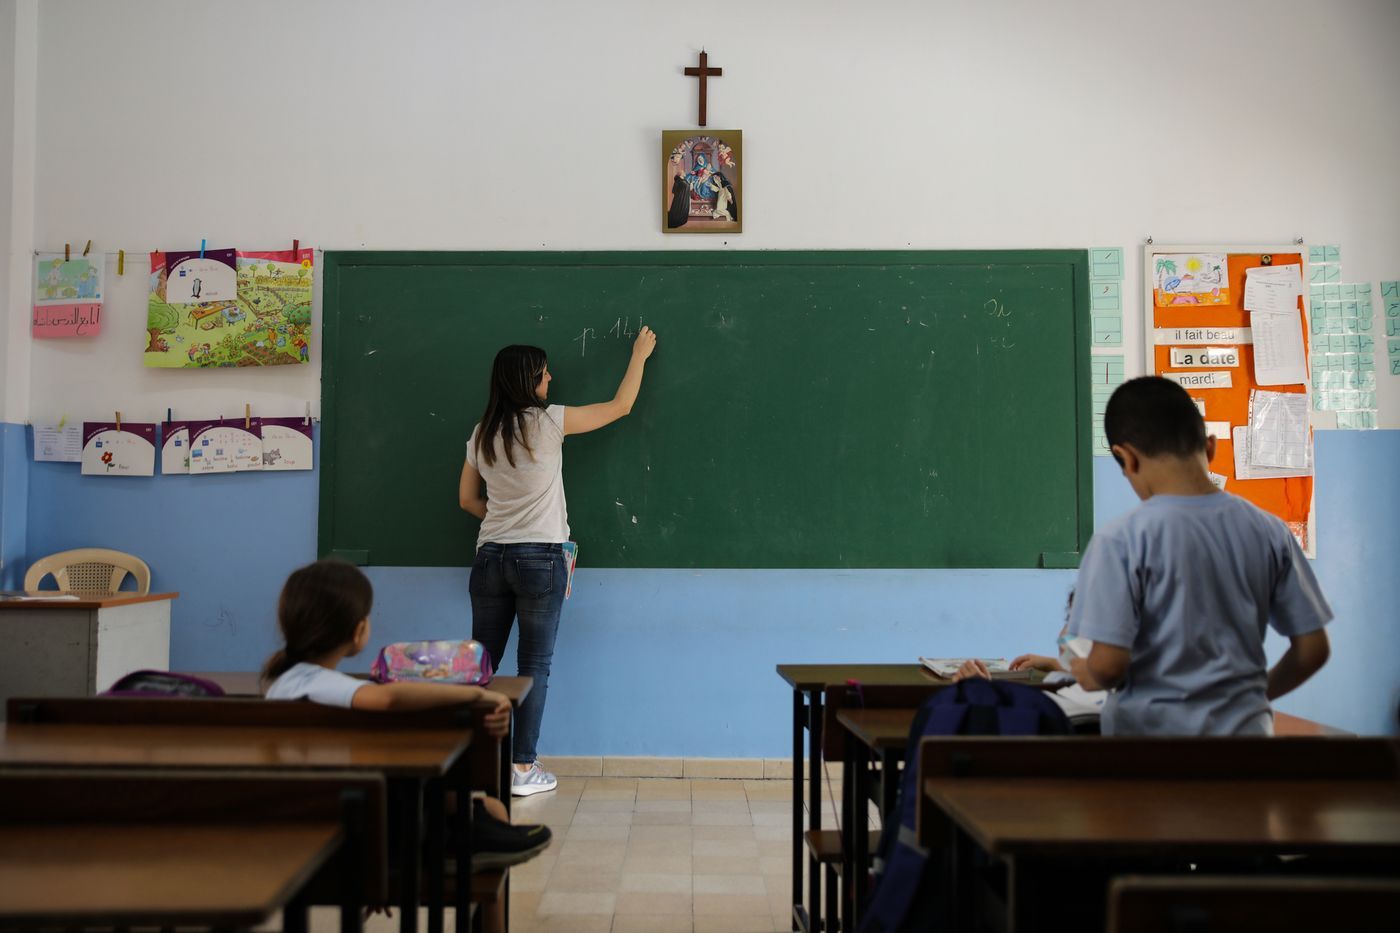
point(525, 502)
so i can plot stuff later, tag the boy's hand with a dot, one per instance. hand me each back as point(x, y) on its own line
point(972, 667)
point(497, 722)
point(1035, 662)
point(644, 344)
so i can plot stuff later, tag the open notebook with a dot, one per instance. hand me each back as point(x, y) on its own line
point(947, 667)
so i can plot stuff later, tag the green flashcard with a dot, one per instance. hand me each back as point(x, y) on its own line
point(1318, 293)
point(1395, 366)
point(1350, 309)
point(1394, 346)
point(1392, 328)
point(1317, 324)
point(1317, 274)
point(1332, 253)
point(1353, 343)
point(1105, 296)
point(1365, 344)
point(1363, 291)
point(1332, 273)
point(1348, 290)
point(1332, 292)
point(1317, 254)
point(1390, 289)
point(1392, 308)
point(1106, 263)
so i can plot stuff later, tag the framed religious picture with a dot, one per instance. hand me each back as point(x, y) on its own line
point(701, 181)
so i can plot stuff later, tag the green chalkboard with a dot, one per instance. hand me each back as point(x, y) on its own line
point(803, 409)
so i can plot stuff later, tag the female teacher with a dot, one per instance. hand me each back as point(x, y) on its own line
point(519, 571)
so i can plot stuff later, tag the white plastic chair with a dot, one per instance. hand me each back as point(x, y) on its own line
point(90, 570)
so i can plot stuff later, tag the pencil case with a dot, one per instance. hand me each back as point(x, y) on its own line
point(451, 662)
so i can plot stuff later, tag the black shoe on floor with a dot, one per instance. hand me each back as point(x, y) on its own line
point(496, 844)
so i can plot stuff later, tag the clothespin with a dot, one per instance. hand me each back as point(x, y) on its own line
point(121, 262)
point(201, 248)
point(296, 248)
point(307, 418)
point(87, 249)
point(67, 252)
point(64, 420)
point(119, 422)
point(247, 417)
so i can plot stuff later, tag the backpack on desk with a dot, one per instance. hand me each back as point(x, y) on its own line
point(902, 899)
point(163, 684)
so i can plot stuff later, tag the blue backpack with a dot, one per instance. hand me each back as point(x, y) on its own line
point(971, 707)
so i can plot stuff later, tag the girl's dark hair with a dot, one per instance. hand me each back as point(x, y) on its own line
point(514, 376)
point(318, 610)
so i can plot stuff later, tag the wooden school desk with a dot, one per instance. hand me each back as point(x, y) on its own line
point(415, 760)
point(80, 646)
point(809, 683)
point(1034, 825)
point(215, 875)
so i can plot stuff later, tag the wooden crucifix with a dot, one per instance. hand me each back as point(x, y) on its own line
point(703, 73)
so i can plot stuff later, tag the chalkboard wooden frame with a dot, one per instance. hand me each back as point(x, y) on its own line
point(337, 263)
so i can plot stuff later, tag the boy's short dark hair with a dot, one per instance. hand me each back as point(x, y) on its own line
point(1156, 416)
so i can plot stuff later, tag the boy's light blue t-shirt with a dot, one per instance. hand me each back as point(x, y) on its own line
point(1188, 584)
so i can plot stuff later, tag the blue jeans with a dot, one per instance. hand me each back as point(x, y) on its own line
point(525, 581)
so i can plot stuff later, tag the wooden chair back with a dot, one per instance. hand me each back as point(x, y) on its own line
point(1251, 904)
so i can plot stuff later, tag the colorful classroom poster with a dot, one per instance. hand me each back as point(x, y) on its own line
point(175, 448)
point(286, 443)
point(201, 277)
point(1190, 279)
point(67, 296)
point(130, 451)
point(225, 446)
point(268, 324)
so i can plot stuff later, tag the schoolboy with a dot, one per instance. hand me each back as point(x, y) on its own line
point(1176, 595)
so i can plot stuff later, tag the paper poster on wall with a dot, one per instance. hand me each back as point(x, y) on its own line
point(1190, 279)
point(195, 279)
point(268, 324)
point(58, 443)
point(130, 451)
point(1199, 336)
point(175, 448)
point(286, 443)
point(67, 296)
point(224, 446)
point(1205, 356)
point(1279, 431)
point(1244, 469)
point(1219, 379)
point(1279, 358)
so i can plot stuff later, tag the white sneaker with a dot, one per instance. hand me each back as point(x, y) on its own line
point(534, 781)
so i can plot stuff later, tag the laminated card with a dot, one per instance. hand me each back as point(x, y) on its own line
point(128, 452)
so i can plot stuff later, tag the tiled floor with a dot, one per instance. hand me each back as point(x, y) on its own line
point(653, 855)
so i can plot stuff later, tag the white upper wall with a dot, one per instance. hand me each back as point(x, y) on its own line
point(923, 124)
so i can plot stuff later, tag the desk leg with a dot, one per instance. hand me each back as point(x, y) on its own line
point(860, 831)
point(891, 775)
point(797, 845)
point(410, 872)
point(295, 916)
point(814, 805)
point(436, 818)
point(503, 791)
point(848, 830)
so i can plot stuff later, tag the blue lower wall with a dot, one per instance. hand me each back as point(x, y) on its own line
point(14, 496)
point(680, 662)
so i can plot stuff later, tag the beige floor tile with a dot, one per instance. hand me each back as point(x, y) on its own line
point(746, 848)
point(705, 789)
point(564, 923)
point(529, 882)
point(664, 804)
point(729, 884)
point(781, 832)
point(775, 847)
point(603, 854)
point(602, 788)
point(658, 848)
point(661, 817)
point(725, 865)
point(601, 804)
point(775, 864)
point(722, 832)
point(721, 818)
point(662, 789)
point(772, 819)
point(584, 879)
point(720, 805)
point(652, 923)
point(657, 864)
point(598, 832)
point(652, 883)
point(646, 902)
point(652, 833)
point(723, 923)
point(778, 887)
point(744, 905)
point(592, 817)
point(768, 790)
point(570, 902)
point(523, 904)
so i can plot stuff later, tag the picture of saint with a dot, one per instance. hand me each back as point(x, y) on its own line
point(701, 182)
